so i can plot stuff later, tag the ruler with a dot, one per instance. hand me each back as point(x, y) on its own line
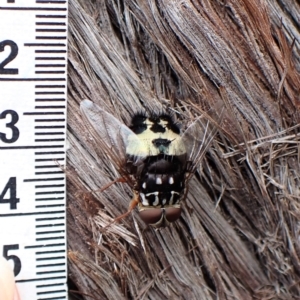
point(33, 91)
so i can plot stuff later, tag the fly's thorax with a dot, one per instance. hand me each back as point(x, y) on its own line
point(153, 136)
point(151, 144)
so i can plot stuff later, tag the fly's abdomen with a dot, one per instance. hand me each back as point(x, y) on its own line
point(161, 189)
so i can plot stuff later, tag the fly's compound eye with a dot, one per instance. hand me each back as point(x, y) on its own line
point(151, 215)
point(159, 217)
point(172, 213)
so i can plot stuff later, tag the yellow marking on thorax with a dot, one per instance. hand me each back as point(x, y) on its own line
point(143, 146)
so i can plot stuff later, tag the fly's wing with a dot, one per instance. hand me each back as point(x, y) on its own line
point(111, 134)
point(197, 138)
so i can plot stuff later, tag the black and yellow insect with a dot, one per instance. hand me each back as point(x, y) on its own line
point(153, 151)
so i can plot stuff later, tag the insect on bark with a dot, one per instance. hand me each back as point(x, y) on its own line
point(155, 153)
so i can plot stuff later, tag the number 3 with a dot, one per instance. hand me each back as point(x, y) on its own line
point(11, 125)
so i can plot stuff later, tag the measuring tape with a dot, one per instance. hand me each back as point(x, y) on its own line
point(33, 91)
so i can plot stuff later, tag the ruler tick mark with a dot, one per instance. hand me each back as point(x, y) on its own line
point(51, 16)
point(48, 159)
point(49, 66)
point(54, 126)
point(50, 100)
point(49, 140)
point(49, 120)
point(53, 284)
point(48, 173)
point(50, 2)
point(49, 219)
point(49, 58)
point(33, 213)
point(50, 30)
point(39, 86)
point(38, 279)
point(52, 292)
point(42, 113)
point(43, 179)
point(34, 8)
point(51, 23)
point(50, 107)
point(50, 232)
point(49, 133)
point(50, 51)
point(51, 272)
point(46, 166)
point(30, 147)
point(50, 199)
point(33, 79)
point(50, 225)
point(44, 246)
point(52, 152)
point(50, 38)
point(49, 72)
point(49, 193)
point(49, 185)
point(49, 93)
point(44, 45)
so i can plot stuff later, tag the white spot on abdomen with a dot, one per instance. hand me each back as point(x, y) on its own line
point(171, 180)
point(144, 185)
point(158, 180)
point(172, 196)
point(145, 202)
point(156, 201)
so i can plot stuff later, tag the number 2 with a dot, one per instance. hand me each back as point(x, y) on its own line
point(12, 55)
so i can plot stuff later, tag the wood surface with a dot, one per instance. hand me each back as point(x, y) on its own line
point(238, 237)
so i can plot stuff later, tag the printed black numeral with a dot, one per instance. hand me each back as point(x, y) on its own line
point(11, 125)
point(12, 187)
point(13, 53)
point(16, 259)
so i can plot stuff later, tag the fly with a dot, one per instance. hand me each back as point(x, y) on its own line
point(156, 154)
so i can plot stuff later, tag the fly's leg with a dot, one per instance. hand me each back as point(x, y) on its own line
point(133, 203)
point(86, 193)
point(120, 179)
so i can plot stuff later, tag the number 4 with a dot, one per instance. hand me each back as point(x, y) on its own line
point(12, 187)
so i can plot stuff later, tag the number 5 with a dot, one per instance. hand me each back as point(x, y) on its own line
point(16, 259)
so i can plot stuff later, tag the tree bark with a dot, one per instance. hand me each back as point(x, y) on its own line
point(238, 237)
